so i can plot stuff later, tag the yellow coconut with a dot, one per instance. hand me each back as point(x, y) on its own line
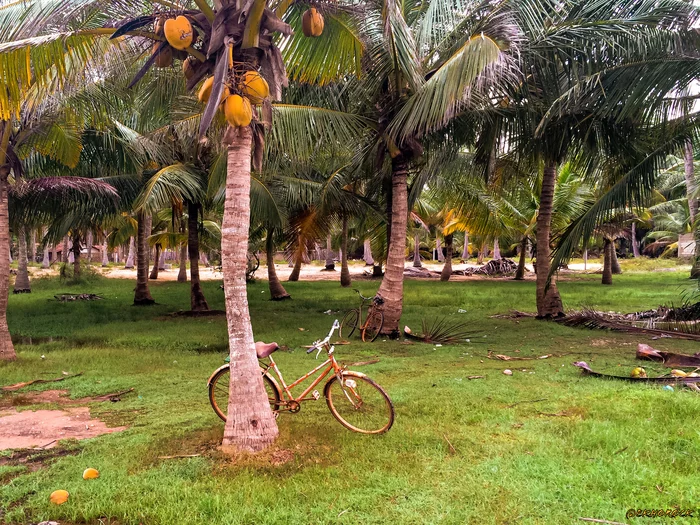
point(165, 57)
point(178, 32)
point(254, 87)
point(91, 473)
point(238, 110)
point(638, 372)
point(59, 497)
point(205, 91)
point(312, 23)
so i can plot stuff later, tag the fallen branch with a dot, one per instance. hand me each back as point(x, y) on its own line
point(180, 456)
point(503, 357)
point(476, 377)
point(453, 450)
point(17, 386)
point(114, 397)
point(593, 520)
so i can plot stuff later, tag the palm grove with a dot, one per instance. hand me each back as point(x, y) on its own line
point(229, 126)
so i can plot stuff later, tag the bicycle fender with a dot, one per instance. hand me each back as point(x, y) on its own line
point(350, 373)
point(216, 372)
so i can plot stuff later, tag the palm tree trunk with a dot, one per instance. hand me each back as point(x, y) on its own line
point(89, 246)
point(75, 250)
point(130, 256)
point(616, 270)
point(198, 303)
point(156, 263)
point(635, 242)
point(447, 269)
point(345, 279)
point(32, 245)
point(54, 253)
point(465, 249)
point(693, 204)
point(520, 272)
point(548, 300)
point(22, 281)
point(496, 250)
point(182, 274)
point(45, 261)
point(438, 250)
point(480, 255)
point(7, 349)
point(369, 260)
point(277, 291)
point(330, 264)
point(105, 250)
point(416, 252)
point(65, 249)
point(391, 289)
point(142, 295)
point(294, 276)
point(250, 425)
point(607, 261)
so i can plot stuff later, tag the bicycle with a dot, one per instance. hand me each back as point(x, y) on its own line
point(357, 402)
point(369, 330)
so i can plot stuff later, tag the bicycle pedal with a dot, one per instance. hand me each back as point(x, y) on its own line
point(316, 395)
point(277, 414)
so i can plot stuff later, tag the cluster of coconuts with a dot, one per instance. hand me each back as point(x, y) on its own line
point(251, 90)
point(179, 34)
point(237, 107)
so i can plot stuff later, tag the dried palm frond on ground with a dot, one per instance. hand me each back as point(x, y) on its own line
point(586, 370)
point(669, 359)
point(620, 323)
point(442, 331)
point(66, 297)
point(494, 267)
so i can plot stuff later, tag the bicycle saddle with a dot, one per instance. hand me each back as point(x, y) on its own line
point(265, 349)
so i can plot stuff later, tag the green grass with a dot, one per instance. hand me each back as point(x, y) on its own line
point(613, 445)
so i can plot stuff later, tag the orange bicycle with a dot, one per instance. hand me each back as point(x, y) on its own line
point(369, 330)
point(357, 402)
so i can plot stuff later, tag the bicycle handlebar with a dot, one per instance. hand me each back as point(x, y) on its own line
point(362, 296)
point(319, 344)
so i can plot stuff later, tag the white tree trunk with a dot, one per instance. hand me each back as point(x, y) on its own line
point(369, 260)
point(130, 257)
point(496, 250)
point(438, 250)
point(465, 249)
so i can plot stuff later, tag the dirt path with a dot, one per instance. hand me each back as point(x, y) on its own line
point(44, 428)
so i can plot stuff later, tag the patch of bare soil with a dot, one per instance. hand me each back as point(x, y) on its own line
point(44, 428)
point(60, 397)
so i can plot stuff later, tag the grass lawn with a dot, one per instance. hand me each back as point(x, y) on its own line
point(546, 445)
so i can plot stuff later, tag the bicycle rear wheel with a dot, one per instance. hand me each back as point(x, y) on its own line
point(373, 326)
point(218, 391)
point(359, 404)
point(349, 323)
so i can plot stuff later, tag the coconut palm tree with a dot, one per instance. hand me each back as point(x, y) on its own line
point(573, 100)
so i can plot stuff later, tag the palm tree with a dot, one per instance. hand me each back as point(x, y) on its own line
point(572, 100)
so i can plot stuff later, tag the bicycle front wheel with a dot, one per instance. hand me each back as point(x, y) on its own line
point(349, 323)
point(373, 326)
point(218, 391)
point(359, 403)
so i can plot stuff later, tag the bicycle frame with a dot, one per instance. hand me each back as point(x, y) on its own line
point(286, 390)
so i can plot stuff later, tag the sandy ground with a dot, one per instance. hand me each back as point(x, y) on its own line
point(309, 272)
